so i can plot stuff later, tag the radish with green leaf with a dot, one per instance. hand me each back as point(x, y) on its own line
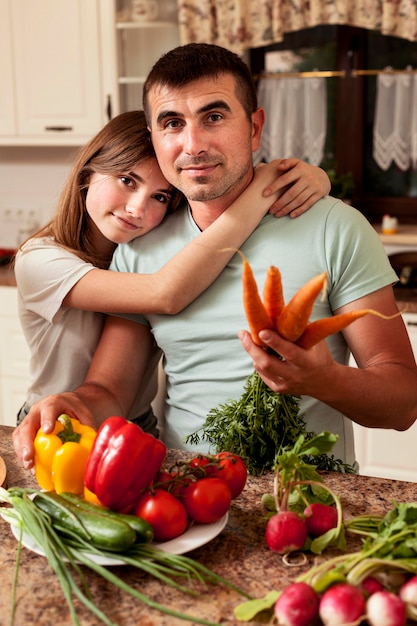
point(320, 518)
point(285, 532)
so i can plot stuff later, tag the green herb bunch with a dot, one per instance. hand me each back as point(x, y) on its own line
point(259, 427)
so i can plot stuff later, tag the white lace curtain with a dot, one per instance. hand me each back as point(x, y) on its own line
point(395, 124)
point(296, 118)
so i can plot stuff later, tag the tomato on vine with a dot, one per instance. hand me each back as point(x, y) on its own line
point(231, 468)
point(207, 500)
point(166, 514)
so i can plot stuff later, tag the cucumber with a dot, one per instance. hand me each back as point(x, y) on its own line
point(102, 531)
point(144, 530)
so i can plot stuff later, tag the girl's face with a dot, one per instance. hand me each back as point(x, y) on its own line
point(127, 205)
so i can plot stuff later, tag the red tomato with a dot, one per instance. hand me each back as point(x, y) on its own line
point(202, 466)
point(207, 500)
point(166, 514)
point(232, 469)
point(163, 479)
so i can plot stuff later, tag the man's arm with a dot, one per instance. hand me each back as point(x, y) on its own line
point(380, 393)
point(109, 388)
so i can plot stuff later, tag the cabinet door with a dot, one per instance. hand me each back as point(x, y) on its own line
point(389, 453)
point(7, 116)
point(57, 68)
point(14, 358)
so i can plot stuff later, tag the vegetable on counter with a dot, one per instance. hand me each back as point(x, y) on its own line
point(123, 461)
point(115, 532)
point(66, 551)
point(376, 585)
point(306, 513)
point(61, 456)
point(199, 490)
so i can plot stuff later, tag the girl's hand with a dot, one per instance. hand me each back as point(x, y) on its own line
point(301, 185)
point(43, 415)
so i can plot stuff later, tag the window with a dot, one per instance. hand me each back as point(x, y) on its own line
point(351, 107)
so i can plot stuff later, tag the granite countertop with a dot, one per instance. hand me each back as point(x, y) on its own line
point(239, 554)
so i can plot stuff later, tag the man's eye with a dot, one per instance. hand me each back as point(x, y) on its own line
point(215, 117)
point(172, 124)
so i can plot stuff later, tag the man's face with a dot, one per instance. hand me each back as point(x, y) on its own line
point(203, 138)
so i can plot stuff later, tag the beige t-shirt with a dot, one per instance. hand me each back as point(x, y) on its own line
point(62, 341)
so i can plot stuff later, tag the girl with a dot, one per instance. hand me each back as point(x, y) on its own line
point(114, 193)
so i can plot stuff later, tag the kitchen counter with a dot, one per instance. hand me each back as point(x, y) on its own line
point(239, 554)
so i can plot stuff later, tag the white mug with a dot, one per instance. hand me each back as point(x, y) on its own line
point(144, 10)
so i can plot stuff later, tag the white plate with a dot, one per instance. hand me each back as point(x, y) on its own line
point(196, 536)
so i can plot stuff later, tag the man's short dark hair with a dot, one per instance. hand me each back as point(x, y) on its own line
point(194, 61)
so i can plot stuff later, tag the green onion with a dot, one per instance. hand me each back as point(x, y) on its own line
point(65, 553)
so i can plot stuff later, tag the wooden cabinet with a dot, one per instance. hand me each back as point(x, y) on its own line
point(14, 358)
point(50, 72)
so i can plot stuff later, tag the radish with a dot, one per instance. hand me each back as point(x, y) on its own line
point(285, 532)
point(384, 608)
point(341, 604)
point(320, 518)
point(408, 592)
point(297, 605)
point(370, 585)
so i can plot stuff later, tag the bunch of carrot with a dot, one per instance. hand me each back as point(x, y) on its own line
point(291, 320)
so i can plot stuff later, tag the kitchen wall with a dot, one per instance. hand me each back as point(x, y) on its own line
point(31, 179)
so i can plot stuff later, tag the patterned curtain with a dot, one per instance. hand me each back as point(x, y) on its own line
point(242, 24)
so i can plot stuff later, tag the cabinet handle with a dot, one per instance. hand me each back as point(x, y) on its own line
point(109, 108)
point(59, 128)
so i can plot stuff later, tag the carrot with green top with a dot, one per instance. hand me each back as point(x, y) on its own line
point(273, 297)
point(295, 315)
point(320, 329)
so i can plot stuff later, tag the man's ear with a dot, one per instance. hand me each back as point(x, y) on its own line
point(258, 121)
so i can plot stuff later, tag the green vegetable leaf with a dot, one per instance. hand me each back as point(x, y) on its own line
point(246, 611)
point(334, 537)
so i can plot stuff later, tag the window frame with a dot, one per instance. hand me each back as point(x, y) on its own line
point(349, 149)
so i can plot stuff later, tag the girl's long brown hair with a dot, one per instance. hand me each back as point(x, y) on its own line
point(118, 147)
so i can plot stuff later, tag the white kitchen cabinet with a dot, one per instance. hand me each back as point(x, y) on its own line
point(50, 72)
point(14, 358)
point(389, 453)
point(7, 112)
point(67, 66)
point(139, 43)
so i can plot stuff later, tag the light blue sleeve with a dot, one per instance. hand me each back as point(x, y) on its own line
point(357, 261)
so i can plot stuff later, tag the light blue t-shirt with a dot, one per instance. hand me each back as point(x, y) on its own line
point(205, 362)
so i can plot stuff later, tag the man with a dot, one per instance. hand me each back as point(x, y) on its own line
point(202, 112)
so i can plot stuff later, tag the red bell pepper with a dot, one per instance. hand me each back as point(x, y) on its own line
point(123, 462)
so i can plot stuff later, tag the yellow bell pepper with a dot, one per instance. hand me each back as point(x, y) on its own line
point(61, 456)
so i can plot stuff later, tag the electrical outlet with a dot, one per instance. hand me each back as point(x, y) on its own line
point(17, 216)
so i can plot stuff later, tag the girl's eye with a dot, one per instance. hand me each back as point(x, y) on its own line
point(162, 198)
point(126, 180)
